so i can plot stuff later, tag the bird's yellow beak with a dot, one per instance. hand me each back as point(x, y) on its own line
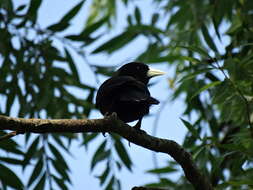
point(154, 72)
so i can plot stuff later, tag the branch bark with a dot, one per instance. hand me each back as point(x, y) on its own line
point(111, 124)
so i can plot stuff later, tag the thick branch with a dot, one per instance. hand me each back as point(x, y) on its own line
point(111, 124)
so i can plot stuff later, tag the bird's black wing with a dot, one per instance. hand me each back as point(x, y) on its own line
point(122, 88)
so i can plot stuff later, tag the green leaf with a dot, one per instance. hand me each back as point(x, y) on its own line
point(240, 182)
point(163, 170)
point(64, 22)
point(116, 43)
point(212, 84)
point(99, 155)
point(9, 178)
point(84, 36)
point(104, 175)
point(60, 183)
point(197, 153)
point(163, 183)
point(89, 137)
point(208, 38)
point(191, 128)
point(154, 19)
point(61, 170)
point(31, 151)
point(194, 74)
point(110, 184)
point(36, 172)
point(10, 101)
point(11, 146)
point(72, 13)
point(197, 50)
point(58, 156)
point(59, 141)
point(58, 27)
point(191, 59)
point(41, 184)
point(122, 153)
point(93, 27)
point(71, 65)
point(13, 161)
point(137, 15)
point(20, 8)
point(33, 9)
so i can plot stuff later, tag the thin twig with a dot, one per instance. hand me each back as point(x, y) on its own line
point(8, 135)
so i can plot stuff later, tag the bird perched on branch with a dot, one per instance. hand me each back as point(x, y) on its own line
point(127, 93)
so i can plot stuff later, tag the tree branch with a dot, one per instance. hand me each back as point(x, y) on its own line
point(114, 125)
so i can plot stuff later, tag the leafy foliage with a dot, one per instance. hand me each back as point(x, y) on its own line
point(208, 42)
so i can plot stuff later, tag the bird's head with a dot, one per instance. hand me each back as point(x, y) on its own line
point(139, 71)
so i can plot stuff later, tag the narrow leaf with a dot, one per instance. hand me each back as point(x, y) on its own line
point(33, 9)
point(13, 161)
point(64, 22)
point(197, 50)
point(191, 128)
point(41, 184)
point(36, 172)
point(99, 155)
point(137, 15)
point(72, 13)
point(117, 42)
point(208, 38)
point(31, 151)
point(104, 175)
point(61, 170)
point(162, 170)
point(110, 184)
point(122, 153)
point(58, 156)
point(71, 65)
point(212, 84)
point(9, 178)
point(60, 183)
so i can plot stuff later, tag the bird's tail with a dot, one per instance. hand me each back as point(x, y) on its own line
point(153, 101)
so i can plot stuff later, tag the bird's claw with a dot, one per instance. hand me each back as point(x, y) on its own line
point(113, 114)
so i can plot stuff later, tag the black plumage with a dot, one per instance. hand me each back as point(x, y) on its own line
point(127, 93)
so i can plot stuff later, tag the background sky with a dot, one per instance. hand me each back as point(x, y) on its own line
point(169, 125)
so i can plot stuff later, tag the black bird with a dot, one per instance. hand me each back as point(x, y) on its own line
point(127, 93)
